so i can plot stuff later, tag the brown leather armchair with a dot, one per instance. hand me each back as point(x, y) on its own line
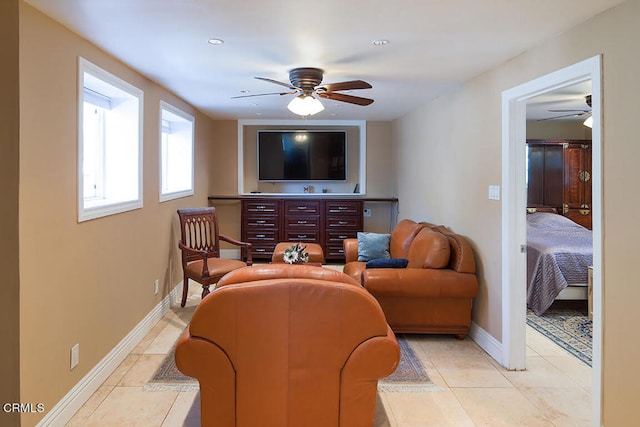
point(434, 294)
point(288, 345)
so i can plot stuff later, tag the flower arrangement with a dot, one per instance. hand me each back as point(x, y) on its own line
point(295, 254)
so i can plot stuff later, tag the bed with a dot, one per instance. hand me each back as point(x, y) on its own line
point(559, 253)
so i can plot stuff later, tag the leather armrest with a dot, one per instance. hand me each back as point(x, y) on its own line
point(195, 357)
point(373, 359)
point(419, 282)
point(350, 247)
point(209, 364)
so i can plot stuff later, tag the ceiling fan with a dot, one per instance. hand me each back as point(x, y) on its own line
point(306, 84)
point(571, 113)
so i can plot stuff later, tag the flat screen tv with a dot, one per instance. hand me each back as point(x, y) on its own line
point(302, 155)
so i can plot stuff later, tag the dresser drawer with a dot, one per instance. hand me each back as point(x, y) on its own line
point(309, 236)
point(262, 251)
point(334, 251)
point(307, 222)
point(336, 237)
point(260, 237)
point(261, 222)
point(261, 207)
point(301, 207)
point(334, 244)
point(343, 207)
point(353, 222)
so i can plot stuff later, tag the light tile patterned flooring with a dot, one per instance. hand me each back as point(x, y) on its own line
point(555, 390)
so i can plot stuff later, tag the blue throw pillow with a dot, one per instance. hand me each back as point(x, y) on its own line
point(388, 263)
point(373, 246)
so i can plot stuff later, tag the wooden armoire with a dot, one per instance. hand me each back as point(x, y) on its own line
point(559, 177)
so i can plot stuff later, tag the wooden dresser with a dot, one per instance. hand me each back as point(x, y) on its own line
point(325, 221)
point(559, 178)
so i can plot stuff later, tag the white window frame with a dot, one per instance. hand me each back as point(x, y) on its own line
point(102, 81)
point(184, 117)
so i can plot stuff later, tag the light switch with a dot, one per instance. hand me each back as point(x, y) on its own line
point(494, 192)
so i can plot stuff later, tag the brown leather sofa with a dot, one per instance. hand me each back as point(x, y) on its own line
point(434, 293)
point(288, 345)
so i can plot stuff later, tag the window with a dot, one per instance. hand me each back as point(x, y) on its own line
point(176, 153)
point(109, 143)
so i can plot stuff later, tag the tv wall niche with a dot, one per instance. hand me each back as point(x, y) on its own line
point(355, 169)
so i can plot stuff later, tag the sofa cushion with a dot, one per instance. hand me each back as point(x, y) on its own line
point(402, 236)
point(429, 249)
point(373, 246)
point(388, 263)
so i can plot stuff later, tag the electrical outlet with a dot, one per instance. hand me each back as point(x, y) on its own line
point(156, 287)
point(75, 355)
point(366, 212)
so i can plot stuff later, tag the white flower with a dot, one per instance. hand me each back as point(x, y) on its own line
point(295, 254)
point(290, 257)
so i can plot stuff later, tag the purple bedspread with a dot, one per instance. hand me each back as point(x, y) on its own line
point(559, 252)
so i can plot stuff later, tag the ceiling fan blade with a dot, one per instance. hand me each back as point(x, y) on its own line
point(565, 115)
point(277, 82)
point(263, 94)
point(345, 98)
point(566, 111)
point(354, 84)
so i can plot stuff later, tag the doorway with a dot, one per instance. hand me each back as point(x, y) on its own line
point(514, 259)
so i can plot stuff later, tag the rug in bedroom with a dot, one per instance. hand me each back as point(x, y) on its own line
point(569, 328)
point(410, 376)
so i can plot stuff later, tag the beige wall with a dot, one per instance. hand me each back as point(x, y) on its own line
point(9, 243)
point(380, 177)
point(223, 175)
point(557, 130)
point(89, 283)
point(450, 152)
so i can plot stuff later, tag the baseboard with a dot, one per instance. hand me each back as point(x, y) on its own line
point(487, 342)
point(62, 412)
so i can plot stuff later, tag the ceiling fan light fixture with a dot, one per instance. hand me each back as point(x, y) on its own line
point(305, 105)
point(589, 122)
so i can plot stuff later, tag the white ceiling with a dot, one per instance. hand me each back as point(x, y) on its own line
point(434, 45)
point(564, 104)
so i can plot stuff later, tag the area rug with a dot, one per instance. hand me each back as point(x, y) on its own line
point(410, 376)
point(569, 328)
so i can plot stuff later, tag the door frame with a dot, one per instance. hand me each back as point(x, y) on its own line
point(514, 203)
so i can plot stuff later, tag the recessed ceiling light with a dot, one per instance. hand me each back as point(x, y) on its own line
point(216, 41)
point(380, 42)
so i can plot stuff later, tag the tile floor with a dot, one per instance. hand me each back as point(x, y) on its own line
point(476, 391)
